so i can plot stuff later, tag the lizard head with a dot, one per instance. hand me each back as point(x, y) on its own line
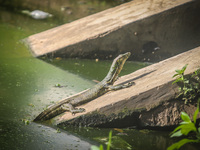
point(117, 66)
point(120, 60)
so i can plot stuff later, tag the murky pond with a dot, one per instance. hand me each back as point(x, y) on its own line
point(27, 84)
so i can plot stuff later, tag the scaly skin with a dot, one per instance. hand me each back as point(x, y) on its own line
point(101, 88)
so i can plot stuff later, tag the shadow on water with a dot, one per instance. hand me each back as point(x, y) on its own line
point(27, 84)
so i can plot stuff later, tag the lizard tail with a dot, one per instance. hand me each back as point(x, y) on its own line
point(48, 114)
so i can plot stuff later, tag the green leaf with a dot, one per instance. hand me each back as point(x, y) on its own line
point(188, 128)
point(178, 72)
point(177, 134)
point(177, 80)
point(109, 141)
point(185, 117)
point(101, 147)
point(175, 75)
point(176, 129)
point(196, 113)
point(93, 147)
point(186, 91)
point(184, 122)
point(183, 69)
point(186, 81)
point(181, 143)
point(183, 129)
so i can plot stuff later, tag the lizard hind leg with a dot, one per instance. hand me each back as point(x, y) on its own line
point(72, 109)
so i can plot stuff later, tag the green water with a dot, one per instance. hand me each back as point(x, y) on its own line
point(92, 70)
point(27, 85)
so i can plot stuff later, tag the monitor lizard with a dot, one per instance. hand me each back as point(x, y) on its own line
point(69, 104)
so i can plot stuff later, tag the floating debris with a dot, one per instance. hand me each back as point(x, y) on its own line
point(32, 105)
point(37, 14)
point(58, 130)
point(26, 121)
point(58, 85)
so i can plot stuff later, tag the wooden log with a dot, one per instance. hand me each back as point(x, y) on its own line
point(128, 27)
point(150, 102)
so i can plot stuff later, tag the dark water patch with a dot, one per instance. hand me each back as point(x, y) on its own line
point(15, 135)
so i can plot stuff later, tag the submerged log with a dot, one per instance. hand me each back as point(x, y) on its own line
point(149, 103)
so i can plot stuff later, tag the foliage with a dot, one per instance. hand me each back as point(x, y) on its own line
point(93, 147)
point(190, 88)
point(186, 127)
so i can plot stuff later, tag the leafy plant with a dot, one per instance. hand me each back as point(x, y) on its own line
point(93, 147)
point(190, 87)
point(186, 127)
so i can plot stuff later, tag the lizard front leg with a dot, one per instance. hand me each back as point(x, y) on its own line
point(72, 109)
point(120, 86)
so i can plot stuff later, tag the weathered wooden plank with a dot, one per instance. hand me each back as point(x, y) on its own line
point(148, 102)
point(88, 34)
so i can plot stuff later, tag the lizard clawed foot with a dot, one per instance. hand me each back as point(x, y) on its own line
point(130, 84)
point(78, 110)
point(120, 86)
